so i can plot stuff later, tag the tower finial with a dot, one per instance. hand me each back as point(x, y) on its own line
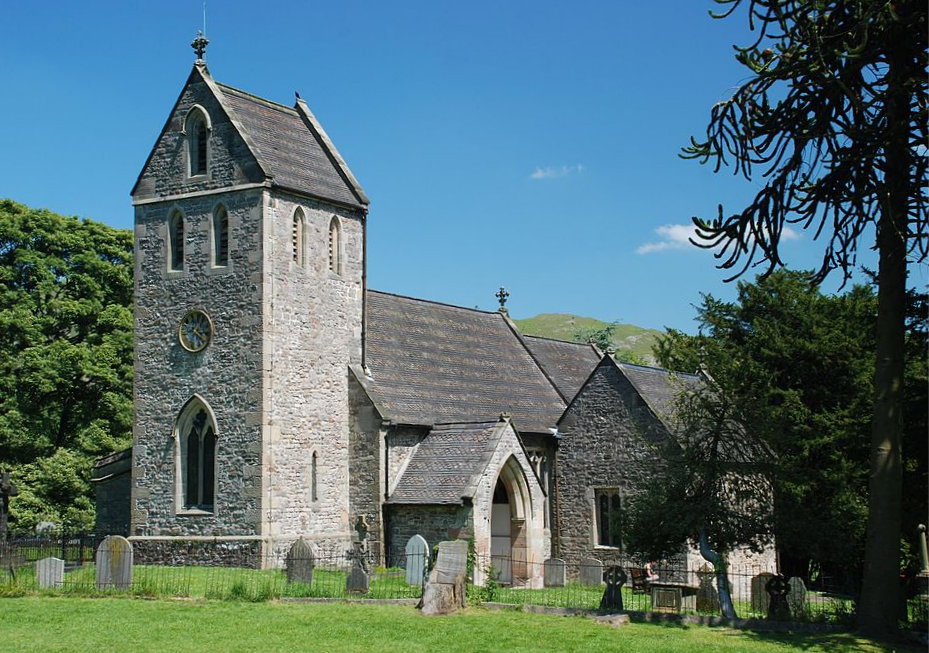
point(502, 295)
point(199, 44)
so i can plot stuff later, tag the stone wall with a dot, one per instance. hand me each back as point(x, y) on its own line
point(312, 333)
point(211, 553)
point(432, 522)
point(226, 375)
point(366, 464)
point(610, 440)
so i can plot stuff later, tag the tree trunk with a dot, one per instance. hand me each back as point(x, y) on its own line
point(722, 578)
point(878, 606)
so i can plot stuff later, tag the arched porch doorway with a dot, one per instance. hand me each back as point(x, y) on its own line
point(509, 531)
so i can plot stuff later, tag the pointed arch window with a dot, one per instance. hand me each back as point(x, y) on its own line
point(220, 237)
point(299, 238)
point(176, 241)
point(196, 435)
point(196, 129)
point(335, 257)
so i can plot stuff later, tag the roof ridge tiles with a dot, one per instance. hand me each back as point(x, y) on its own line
point(432, 301)
point(559, 340)
point(251, 96)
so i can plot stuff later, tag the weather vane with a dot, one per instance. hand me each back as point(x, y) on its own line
point(199, 44)
point(502, 295)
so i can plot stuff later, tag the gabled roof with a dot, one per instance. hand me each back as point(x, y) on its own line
point(433, 363)
point(659, 388)
point(568, 364)
point(289, 145)
point(448, 463)
point(293, 147)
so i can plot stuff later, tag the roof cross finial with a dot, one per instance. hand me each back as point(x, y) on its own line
point(199, 44)
point(502, 295)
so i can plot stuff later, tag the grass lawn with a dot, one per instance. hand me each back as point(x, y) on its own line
point(123, 624)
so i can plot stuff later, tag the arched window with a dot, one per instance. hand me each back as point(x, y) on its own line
point(299, 238)
point(314, 484)
point(220, 237)
point(196, 439)
point(176, 241)
point(335, 257)
point(196, 129)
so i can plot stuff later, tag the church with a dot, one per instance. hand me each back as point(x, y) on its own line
point(278, 396)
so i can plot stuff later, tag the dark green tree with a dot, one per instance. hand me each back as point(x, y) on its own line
point(834, 112)
point(65, 357)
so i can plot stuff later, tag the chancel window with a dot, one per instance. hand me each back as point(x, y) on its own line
point(220, 237)
point(197, 440)
point(608, 517)
point(196, 129)
point(176, 241)
point(335, 258)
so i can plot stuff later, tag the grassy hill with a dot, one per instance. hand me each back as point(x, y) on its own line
point(627, 337)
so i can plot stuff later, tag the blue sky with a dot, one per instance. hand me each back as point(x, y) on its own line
point(528, 144)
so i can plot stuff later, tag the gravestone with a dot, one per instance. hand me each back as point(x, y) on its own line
point(114, 563)
point(613, 594)
point(796, 596)
point(444, 592)
point(300, 563)
point(707, 596)
point(554, 572)
point(358, 581)
point(591, 572)
point(417, 552)
point(777, 588)
point(50, 572)
point(760, 598)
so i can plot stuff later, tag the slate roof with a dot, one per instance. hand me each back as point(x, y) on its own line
point(433, 363)
point(447, 464)
point(568, 364)
point(296, 151)
point(659, 388)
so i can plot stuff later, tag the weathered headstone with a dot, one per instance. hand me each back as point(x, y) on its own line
point(114, 563)
point(554, 572)
point(358, 581)
point(707, 596)
point(796, 596)
point(444, 592)
point(300, 563)
point(591, 572)
point(777, 588)
point(417, 556)
point(613, 594)
point(452, 561)
point(50, 572)
point(760, 598)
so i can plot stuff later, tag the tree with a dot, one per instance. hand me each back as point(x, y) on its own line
point(602, 339)
point(65, 357)
point(834, 111)
point(710, 488)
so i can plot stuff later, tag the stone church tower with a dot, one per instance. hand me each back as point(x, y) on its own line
point(249, 310)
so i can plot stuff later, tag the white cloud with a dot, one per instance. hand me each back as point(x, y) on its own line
point(551, 172)
point(677, 236)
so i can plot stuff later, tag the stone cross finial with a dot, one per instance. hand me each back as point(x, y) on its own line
point(502, 295)
point(199, 45)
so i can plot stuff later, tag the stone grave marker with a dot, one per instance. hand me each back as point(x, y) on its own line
point(50, 572)
point(114, 563)
point(444, 592)
point(452, 561)
point(796, 596)
point(591, 572)
point(554, 569)
point(612, 599)
point(358, 581)
point(707, 596)
point(300, 563)
point(760, 598)
point(417, 556)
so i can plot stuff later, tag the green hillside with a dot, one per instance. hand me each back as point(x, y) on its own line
point(627, 337)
